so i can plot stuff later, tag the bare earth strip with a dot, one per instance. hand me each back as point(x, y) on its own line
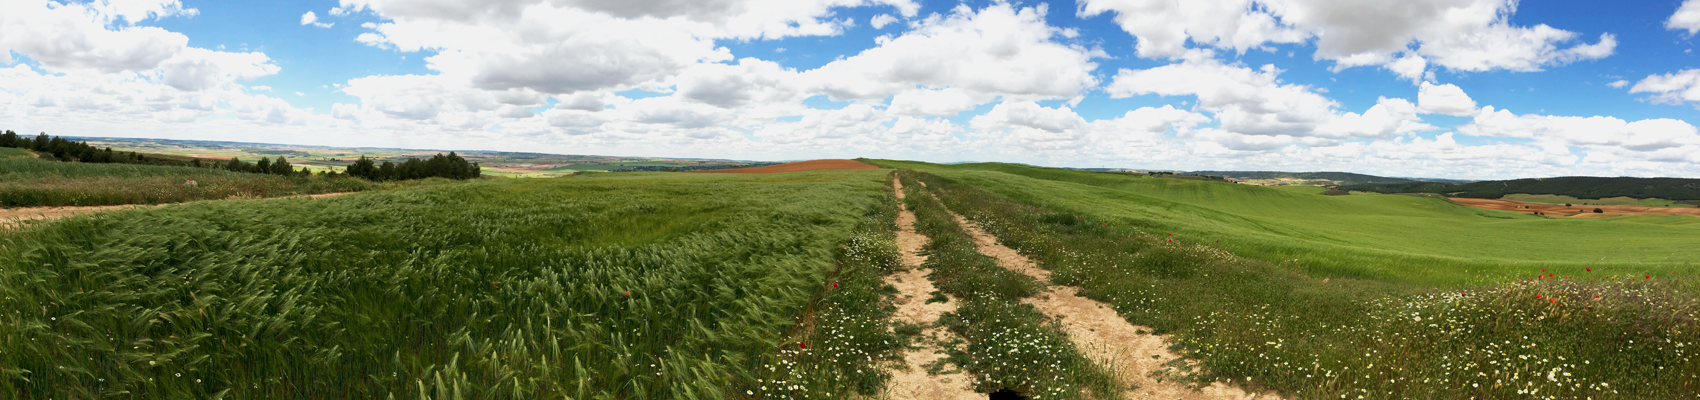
point(1097, 330)
point(914, 288)
point(14, 217)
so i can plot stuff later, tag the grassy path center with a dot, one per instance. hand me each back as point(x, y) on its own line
point(913, 307)
point(1105, 337)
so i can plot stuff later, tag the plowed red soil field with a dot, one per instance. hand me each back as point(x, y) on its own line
point(1577, 211)
point(797, 166)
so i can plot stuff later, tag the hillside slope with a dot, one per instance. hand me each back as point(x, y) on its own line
point(1344, 178)
point(1359, 235)
point(1583, 187)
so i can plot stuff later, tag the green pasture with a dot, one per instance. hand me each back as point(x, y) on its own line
point(1389, 237)
point(13, 152)
point(613, 165)
point(1609, 201)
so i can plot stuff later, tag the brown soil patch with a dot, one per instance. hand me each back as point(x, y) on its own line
point(1575, 211)
point(1100, 333)
point(912, 382)
point(797, 166)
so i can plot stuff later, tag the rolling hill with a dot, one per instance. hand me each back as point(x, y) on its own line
point(1582, 187)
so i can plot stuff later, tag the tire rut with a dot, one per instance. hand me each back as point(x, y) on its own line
point(1133, 354)
point(912, 381)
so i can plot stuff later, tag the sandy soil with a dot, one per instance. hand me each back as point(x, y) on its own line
point(1576, 211)
point(1099, 332)
point(13, 217)
point(796, 166)
point(914, 288)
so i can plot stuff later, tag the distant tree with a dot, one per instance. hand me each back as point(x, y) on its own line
point(10, 139)
point(1598, 211)
point(1566, 204)
point(363, 168)
point(40, 143)
point(235, 165)
point(281, 167)
point(263, 166)
point(386, 171)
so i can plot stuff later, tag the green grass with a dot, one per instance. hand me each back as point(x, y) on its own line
point(1009, 344)
point(1273, 325)
point(28, 182)
point(613, 165)
point(13, 152)
point(603, 286)
point(1387, 237)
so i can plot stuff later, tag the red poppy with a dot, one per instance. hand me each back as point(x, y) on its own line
point(1537, 296)
point(1649, 276)
point(628, 293)
point(835, 284)
point(1543, 270)
point(1590, 269)
point(801, 345)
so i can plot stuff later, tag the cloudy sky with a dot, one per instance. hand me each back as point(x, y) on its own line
point(1437, 88)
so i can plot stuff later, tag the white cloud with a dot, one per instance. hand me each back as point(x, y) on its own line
point(880, 21)
point(1618, 84)
point(1445, 99)
point(999, 50)
point(947, 102)
point(1256, 102)
point(312, 19)
point(1657, 138)
point(1465, 35)
point(1672, 88)
point(751, 81)
point(1687, 17)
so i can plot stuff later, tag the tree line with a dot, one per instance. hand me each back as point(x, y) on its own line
point(451, 166)
point(62, 149)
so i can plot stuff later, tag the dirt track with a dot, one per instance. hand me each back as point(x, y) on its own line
point(1576, 211)
point(796, 166)
point(1100, 333)
point(914, 288)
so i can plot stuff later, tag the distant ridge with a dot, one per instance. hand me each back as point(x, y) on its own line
point(1581, 187)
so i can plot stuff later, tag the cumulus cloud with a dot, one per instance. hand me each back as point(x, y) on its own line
point(1445, 99)
point(1618, 84)
point(998, 50)
point(1466, 35)
point(565, 46)
point(880, 21)
point(1656, 138)
point(751, 81)
point(1687, 17)
point(1256, 102)
point(1672, 88)
point(313, 19)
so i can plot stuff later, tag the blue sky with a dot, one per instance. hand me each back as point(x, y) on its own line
point(1498, 89)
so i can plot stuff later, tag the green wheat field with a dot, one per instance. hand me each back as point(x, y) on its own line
point(655, 285)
